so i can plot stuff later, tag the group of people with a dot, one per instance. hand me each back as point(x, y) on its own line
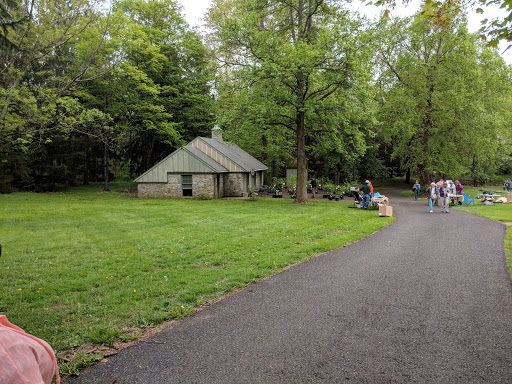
point(441, 191)
point(507, 186)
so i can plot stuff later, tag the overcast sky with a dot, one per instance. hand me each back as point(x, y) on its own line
point(195, 9)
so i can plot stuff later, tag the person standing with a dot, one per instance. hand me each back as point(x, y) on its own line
point(313, 186)
point(439, 184)
point(444, 195)
point(432, 196)
point(459, 189)
point(371, 189)
point(366, 194)
point(451, 190)
point(416, 190)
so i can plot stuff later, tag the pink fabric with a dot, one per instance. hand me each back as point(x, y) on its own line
point(24, 359)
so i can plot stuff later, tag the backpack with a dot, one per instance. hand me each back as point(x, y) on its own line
point(25, 359)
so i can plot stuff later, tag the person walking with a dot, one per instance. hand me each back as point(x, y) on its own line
point(366, 194)
point(432, 196)
point(444, 195)
point(416, 190)
point(313, 186)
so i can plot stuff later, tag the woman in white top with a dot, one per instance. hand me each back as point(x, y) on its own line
point(432, 195)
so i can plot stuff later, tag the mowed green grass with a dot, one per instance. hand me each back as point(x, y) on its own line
point(85, 265)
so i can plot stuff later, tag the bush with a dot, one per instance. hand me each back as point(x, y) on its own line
point(479, 178)
point(203, 195)
point(329, 187)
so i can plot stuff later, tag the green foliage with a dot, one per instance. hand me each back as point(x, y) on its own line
point(203, 195)
point(329, 187)
point(443, 13)
point(446, 99)
point(126, 87)
point(298, 86)
point(479, 178)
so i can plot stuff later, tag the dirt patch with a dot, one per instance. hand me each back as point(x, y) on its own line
point(129, 192)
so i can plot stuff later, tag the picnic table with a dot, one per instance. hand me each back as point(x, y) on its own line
point(457, 198)
point(376, 200)
point(487, 197)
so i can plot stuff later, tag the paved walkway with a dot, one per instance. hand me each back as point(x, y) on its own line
point(426, 300)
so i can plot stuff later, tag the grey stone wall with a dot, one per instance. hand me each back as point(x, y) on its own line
point(233, 184)
point(203, 184)
point(170, 189)
point(173, 187)
point(153, 190)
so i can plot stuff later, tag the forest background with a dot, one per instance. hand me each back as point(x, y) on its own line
point(91, 91)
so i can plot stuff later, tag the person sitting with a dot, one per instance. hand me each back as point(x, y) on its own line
point(277, 191)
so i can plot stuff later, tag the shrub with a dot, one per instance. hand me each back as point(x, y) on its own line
point(479, 178)
point(203, 195)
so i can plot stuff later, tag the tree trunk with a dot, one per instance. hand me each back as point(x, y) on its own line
point(105, 167)
point(408, 176)
point(302, 163)
point(86, 166)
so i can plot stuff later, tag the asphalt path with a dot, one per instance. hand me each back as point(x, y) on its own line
point(427, 299)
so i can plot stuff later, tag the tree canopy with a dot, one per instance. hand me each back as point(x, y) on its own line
point(295, 67)
point(446, 98)
point(90, 92)
point(87, 88)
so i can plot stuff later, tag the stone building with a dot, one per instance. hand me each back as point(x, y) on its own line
point(204, 166)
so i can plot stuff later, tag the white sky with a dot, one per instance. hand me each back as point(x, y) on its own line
point(195, 9)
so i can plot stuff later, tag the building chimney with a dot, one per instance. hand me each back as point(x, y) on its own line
point(217, 134)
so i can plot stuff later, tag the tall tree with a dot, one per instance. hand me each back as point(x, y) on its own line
point(443, 12)
point(11, 18)
point(294, 56)
point(162, 94)
point(443, 93)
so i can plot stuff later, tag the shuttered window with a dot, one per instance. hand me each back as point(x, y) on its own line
point(186, 183)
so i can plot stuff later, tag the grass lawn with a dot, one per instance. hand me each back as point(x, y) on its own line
point(98, 267)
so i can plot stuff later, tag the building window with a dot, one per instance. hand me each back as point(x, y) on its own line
point(186, 183)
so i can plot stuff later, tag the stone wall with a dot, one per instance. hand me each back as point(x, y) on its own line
point(173, 187)
point(153, 190)
point(203, 184)
point(233, 184)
